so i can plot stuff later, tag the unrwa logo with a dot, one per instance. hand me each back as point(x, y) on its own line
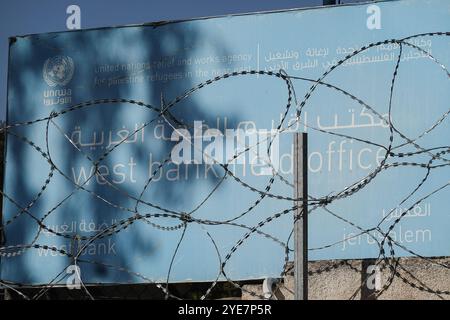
point(58, 71)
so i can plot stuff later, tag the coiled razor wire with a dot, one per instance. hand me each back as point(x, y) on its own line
point(384, 260)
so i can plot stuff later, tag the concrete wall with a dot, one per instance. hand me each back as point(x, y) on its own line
point(415, 279)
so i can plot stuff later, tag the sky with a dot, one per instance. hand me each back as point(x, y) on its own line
point(20, 17)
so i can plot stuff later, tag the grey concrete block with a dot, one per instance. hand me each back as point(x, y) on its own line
point(414, 279)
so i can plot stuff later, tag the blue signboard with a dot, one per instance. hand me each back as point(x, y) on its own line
point(24, 17)
point(165, 152)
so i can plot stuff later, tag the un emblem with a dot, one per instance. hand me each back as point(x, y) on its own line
point(58, 71)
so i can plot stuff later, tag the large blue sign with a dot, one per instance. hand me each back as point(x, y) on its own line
point(25, 17)
point(164, 152)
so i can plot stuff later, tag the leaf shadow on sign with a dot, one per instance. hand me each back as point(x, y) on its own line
point(86, 206)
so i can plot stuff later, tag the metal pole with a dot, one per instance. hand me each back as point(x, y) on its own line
point(301, 220)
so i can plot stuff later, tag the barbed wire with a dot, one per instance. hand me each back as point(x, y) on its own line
point(386, 261)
